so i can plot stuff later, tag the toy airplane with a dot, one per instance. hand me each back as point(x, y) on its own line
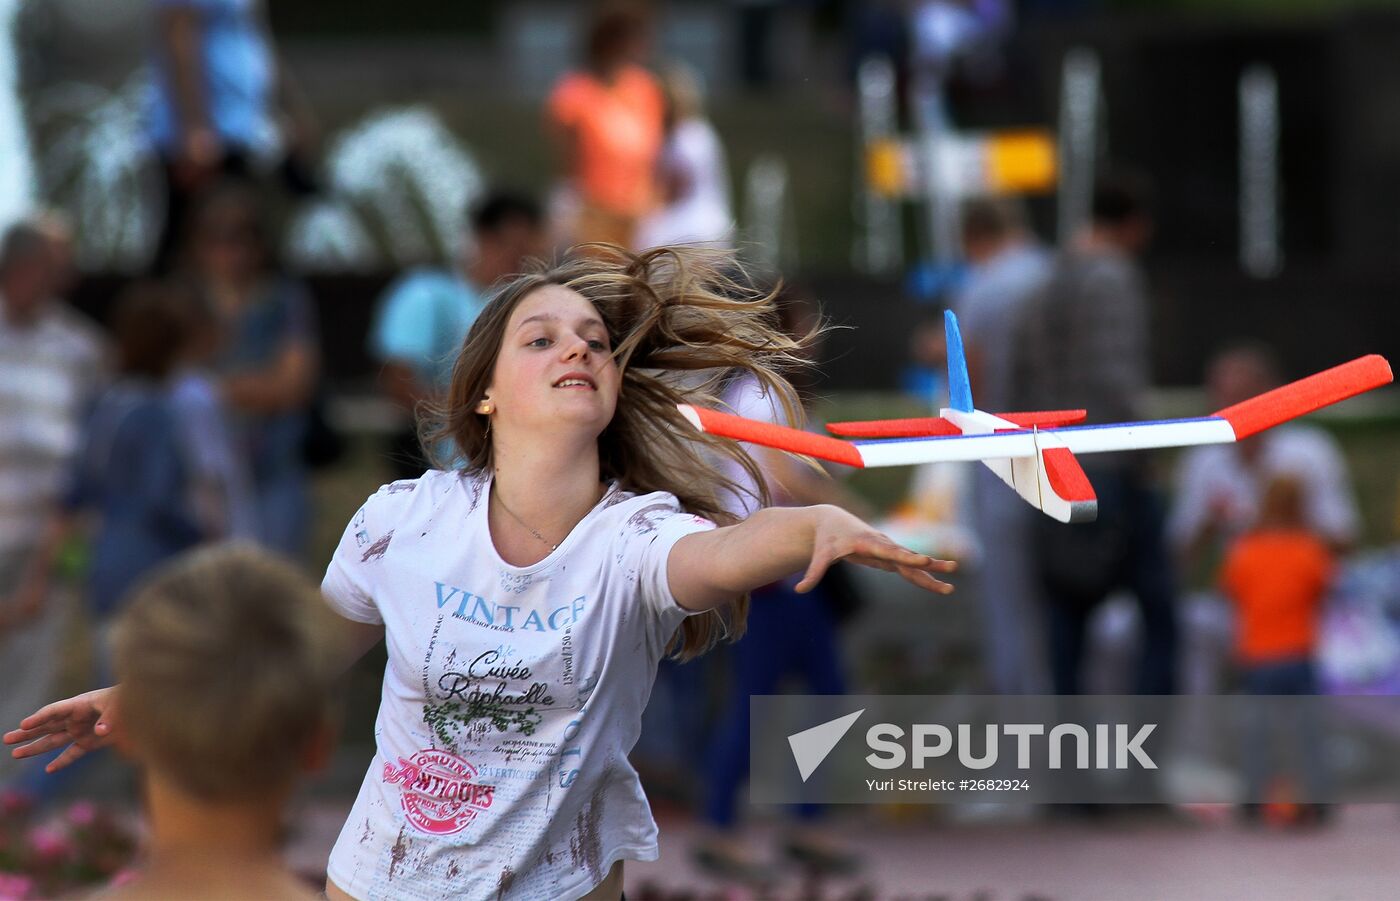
point(1034, 453)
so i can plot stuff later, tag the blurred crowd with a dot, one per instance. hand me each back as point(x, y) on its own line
point(1262, 521)
point(197, 415)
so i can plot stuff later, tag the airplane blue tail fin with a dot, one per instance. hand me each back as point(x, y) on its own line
point(959, 388)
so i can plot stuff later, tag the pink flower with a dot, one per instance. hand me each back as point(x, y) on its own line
point(14, 803)
point(49, 844)
point(123, 876)
point(82, 814)
point(14, 887)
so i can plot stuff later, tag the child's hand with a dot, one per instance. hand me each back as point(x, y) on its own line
point(86, 722)
point(837, 535)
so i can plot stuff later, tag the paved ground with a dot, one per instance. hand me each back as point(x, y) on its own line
point(1128, 857)
point(947, 853)
point(1153, 859)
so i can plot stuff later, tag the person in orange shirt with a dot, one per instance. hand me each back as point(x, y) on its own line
point(1277, 576)
point(607, 121)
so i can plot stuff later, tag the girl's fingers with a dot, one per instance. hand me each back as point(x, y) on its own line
point(886, 549)
point(19, 736)
point(917, 575)
point(879, 552)
point(72, 753)
point(815, 570)
point(41, 745)
point(881, 548)
point(38, 719)
point(889, 563)
point(922, 579)
point(57, 711)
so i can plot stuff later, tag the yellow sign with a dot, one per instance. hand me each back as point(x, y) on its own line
point(1020, 162)
point(1015, 161)
point(885, 167)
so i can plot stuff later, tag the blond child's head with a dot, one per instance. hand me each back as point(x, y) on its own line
point(227, 659)
point(1282, 504)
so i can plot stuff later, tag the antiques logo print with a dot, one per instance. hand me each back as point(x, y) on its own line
point(439, 791)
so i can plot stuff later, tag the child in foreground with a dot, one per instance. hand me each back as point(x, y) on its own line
point(226, 660)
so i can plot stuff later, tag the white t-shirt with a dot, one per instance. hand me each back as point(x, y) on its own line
point(744, 396)
point(1213, 479)
point(702, 214)
point(512, 695)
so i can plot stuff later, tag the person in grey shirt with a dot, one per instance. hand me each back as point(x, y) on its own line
point(1083, 343)
point(1008, 267)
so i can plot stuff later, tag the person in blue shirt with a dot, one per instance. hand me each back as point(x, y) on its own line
point(129, 489)
point(266, 365)
point(424, 316)
point(220, 107)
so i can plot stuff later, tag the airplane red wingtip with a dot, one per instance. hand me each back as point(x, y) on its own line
point(727, 425)
point(1306, 395)
point(1066, 476)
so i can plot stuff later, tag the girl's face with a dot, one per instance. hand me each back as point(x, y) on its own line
point(555, 366)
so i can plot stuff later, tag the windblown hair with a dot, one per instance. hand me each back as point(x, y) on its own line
point(227, 659)
point(682, 323)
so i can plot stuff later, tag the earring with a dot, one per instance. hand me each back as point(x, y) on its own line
point(486, 408)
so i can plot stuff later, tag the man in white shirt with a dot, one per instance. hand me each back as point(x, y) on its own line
point(1219, 486)
point(50, 365)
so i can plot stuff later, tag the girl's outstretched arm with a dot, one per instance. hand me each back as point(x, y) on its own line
point(92, 720)
point(707, 569)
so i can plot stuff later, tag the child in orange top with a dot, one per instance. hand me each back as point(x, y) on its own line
point(1277, 576)
point(608, 123)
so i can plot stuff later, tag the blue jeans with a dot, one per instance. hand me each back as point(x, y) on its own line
point(1295, 733)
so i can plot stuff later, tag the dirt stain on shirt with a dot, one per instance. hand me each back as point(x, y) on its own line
point(585, 845)
point(504, 883)
point(376, 550)
point(398, 853)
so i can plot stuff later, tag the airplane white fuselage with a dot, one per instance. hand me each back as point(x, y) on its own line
point(1026, 475)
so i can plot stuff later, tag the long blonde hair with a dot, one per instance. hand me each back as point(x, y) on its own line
point(682, 322)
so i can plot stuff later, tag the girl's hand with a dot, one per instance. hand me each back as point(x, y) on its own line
point(837, 535)
point(85, 723)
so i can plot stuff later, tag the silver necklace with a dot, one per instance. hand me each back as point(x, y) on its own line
point(529, 528)
point(552, 546)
